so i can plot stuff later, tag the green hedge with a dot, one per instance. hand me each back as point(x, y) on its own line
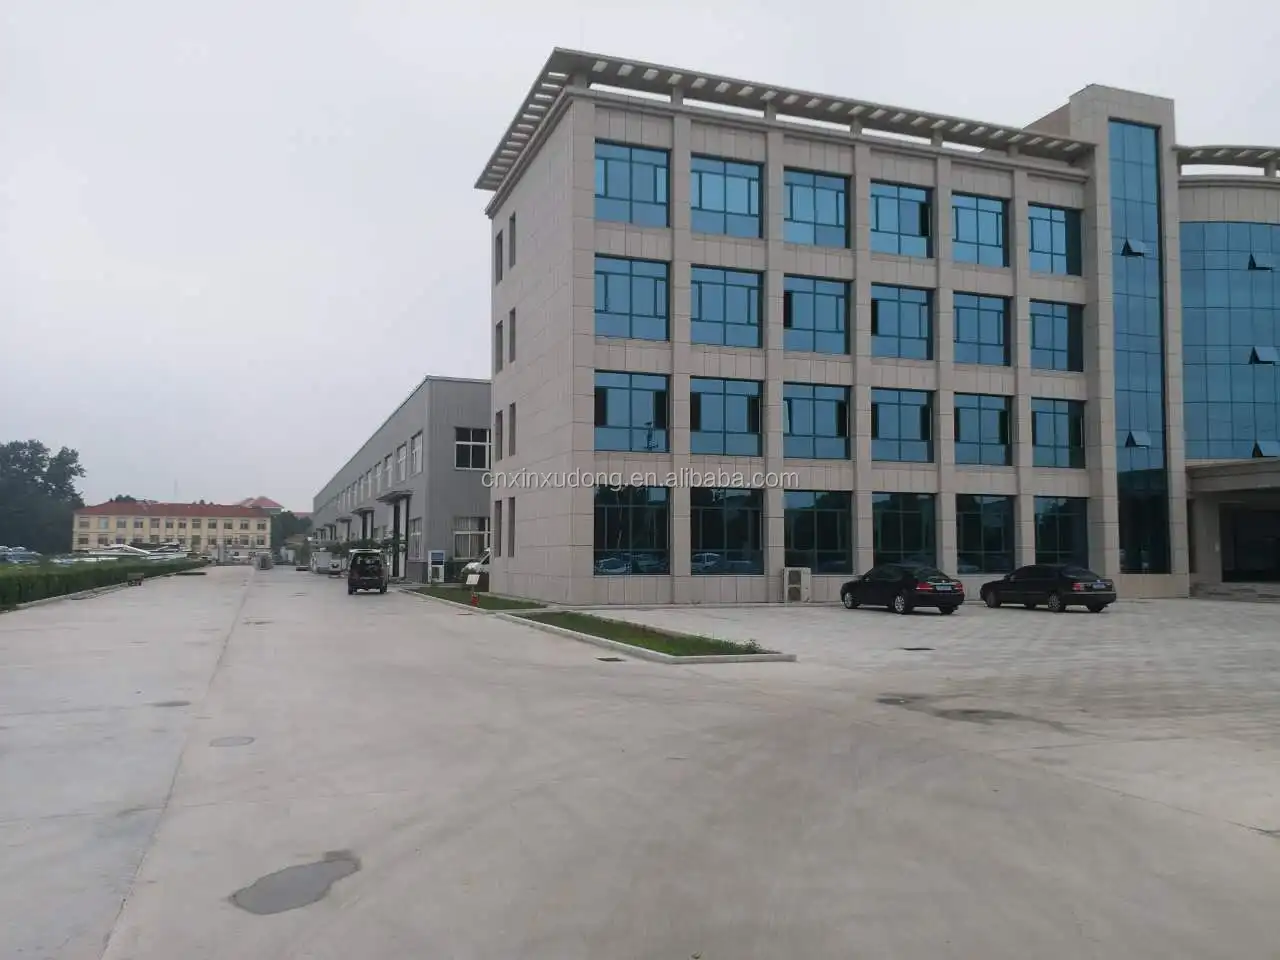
point(22, 584)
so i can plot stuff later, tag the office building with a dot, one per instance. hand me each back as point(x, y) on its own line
point(418, 482)
point(972, 343)
point(210, 528)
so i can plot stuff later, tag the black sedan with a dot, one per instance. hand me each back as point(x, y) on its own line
point(1055, 585)
point(902, 587)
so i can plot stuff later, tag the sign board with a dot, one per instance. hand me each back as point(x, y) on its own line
point(473, 579)
point(437, 556)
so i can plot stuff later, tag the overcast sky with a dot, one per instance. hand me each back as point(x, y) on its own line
point(234, 236)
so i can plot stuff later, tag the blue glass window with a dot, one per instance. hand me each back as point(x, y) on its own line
point(631, 298)
point(632, 530)
point(902, 425)
point(1062, 530)
point(724, 197)
point(724, 417)
point(1057, 433)
point(815, 421)
point(1230, 337)
point(1138, 309)
point(726, 528)
point(819, 530)
point(901, 218)
point(631, 184)
point(815, 315)
point(982, 329)
point(1057, 336)
point(982, 429)
point(631, 411)
point(905, 528)
point(901, 322)
point(725, 307)
point(980, 235)
point(1055, 240)
point(985, 528)
point(815, 209)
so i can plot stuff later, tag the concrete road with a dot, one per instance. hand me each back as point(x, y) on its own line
point(381, 777)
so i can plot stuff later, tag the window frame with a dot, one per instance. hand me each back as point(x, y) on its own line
point(656, 438)
point(1064, 254)
point(891, 345)
point(975, 246)
point(477, 439)
point(1056, 321)
point(976, 508)
point(890, 202)
point(885, 519)
point(816, 300)
point(982, 450)
point(1078, 519)
point(752, 413)
point(1059, 416)
point(702, 217)
point(653, 162)
point(655, 272)
point(636, 512)
point(805, 402)
point(825, 196)
point(884, 398)
point(703, 281)
point(817, 514)
point(712, 511)
point(984, 351)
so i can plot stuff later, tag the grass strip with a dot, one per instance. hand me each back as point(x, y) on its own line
point(660, 641)
point(485, 601)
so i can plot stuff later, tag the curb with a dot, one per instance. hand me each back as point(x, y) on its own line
point(79, 595)
point(643, 653)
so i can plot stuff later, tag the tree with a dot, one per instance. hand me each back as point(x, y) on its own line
point(123, 498)
point(38, 497)
point(285, 524)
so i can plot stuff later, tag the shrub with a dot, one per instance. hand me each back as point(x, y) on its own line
point(27, 583)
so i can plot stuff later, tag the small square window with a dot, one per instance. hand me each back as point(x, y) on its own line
point(1134, 248)
point(1265, 354)
point(1266, 448)
point(1261, 261)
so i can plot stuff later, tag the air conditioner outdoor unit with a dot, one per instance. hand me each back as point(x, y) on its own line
point(795, 584)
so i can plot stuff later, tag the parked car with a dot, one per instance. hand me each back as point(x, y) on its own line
point(902, 587)
point(335, 567)
point(477, 566)
point(366, 570)
point(1056, 585)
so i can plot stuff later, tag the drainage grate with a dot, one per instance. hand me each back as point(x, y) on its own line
point(611, 659)
point(231, 742)
point(916, 649)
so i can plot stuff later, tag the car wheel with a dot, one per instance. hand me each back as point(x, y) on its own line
point(1097, 607)
point(350, 591)
point(946, 609)
point(900, 603)
point(848, 601)
point(382, 589)
point(990, 599)
point(1055, 603)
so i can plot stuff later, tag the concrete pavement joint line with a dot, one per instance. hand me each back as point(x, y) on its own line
point(642, 653)
point(177, 768)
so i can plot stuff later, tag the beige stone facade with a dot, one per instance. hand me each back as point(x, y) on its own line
point(544, 203)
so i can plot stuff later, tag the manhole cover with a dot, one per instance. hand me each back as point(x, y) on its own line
point(257, 623)
point(172, 703)
point(611, 659)
point(893, 701)
point(916, 649)
point(231, 742)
